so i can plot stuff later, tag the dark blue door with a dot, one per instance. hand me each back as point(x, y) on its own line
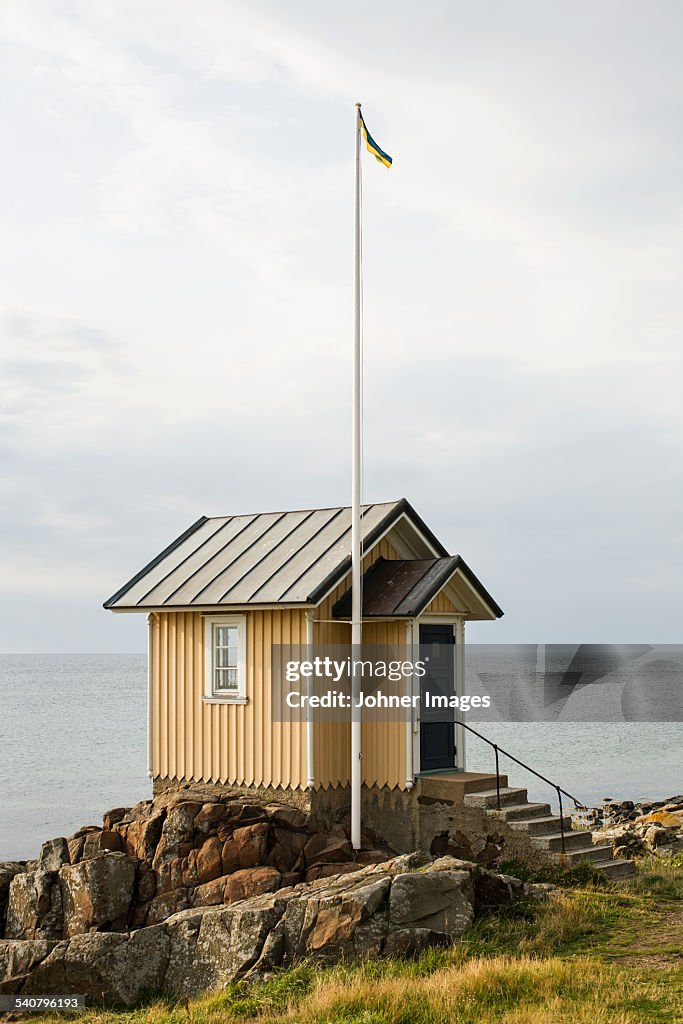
point(437, 726)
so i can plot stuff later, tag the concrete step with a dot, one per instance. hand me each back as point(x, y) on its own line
point(592, 853)
point(544, 825)
point(616, 870)
point(489, 799)
point(527, 811)
point(552, 841)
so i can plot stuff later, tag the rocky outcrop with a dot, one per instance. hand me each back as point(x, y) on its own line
point(643, 829)
point(398, 907)
point(188, 848)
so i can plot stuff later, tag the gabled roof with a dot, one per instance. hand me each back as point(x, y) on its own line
point(403, 588)
point(263, 559)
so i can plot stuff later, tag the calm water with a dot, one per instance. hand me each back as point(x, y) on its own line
point(73, 741)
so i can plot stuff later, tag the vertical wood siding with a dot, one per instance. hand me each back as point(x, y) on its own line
point(228, 743)
point(383, 743)
point(441, 603)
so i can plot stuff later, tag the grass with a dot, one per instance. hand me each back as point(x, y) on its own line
point(593, 952)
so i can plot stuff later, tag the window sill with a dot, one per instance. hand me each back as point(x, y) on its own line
point(225, 700)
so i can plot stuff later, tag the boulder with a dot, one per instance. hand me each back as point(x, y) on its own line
point(108, 967)
point(209, 818)
point(210, 894)
point(493, 891)
point(666, 818)
point(287, 849)
point(441, 901)
point(250, 882)
point(176, 838)
point(142, 837)
point(284, 816)
point(114, 816)
point(99, 842)
point(329, 870)
point(409, 943)
point(34, 906)
point(8, 869)
point(325, 849)
point(97, 893)
point(165, 905)
point(246, 847)
point(53, 854)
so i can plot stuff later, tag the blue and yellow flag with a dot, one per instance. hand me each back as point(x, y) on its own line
point(373, 148)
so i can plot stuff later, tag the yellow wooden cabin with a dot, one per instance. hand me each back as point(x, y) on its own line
point(229, 588)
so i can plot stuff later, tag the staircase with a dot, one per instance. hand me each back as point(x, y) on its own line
point(543, 831)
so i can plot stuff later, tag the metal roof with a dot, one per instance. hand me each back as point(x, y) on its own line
point(260, 559)
point(403, 588)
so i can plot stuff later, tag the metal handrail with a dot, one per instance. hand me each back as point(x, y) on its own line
point(558, 789)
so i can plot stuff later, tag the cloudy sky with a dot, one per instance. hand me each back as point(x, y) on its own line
point(175, 293)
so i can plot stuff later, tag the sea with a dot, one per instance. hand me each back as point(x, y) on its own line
point(73, 745)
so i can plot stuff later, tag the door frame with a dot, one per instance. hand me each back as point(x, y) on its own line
point(457, 624)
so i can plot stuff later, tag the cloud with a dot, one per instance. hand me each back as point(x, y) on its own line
point(175, 338)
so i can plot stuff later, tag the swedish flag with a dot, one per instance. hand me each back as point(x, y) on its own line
point(373, 148)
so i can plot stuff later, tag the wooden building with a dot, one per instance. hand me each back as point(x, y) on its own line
point(220, 596)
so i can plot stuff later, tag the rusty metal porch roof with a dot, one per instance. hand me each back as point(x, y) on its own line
point(403, 588)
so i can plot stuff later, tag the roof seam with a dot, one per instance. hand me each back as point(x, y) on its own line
point(267, 555)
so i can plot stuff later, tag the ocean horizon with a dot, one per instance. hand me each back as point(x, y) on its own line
point(73, 744)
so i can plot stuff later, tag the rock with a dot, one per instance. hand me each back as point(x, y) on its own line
point(409, 943)
point(147, 884)
point(492, 890)
point(209, 818)
point(391, 908)
point(240, 813)
point(246, 847)
point(166, 904)
point(668, 819)
point(539, 890)
point(209, 860)
point(97, 893)
point(323, 849)
point(656, 835)
point(328, 870)
point(175, 840)
point(116, 968)
point(98, 842)
point(8, 869)
point(250, 882)
point(284, 816)
point(365, 857)
point(114, 816)
point(91, 845)
point(442, 901)
point(290, 878)
point(53, 854)
point(211, 893)
point(34, 906)
point(75, 845)
point(17, 958)
point(286, 853)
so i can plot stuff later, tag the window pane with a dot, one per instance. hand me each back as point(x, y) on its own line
point(226, 679)
point(226, 657)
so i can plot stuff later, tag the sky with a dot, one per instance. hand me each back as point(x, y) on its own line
point(176, 201)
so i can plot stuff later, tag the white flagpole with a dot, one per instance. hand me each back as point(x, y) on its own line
point(356, 568)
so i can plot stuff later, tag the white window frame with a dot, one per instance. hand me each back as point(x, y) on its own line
point(212, 696)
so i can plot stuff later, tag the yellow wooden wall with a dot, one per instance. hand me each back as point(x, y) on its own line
point(239, 743)
point(383, 743)
point(236, 743)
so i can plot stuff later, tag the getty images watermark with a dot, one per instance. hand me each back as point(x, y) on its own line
point(486, 682)
point(329, 673)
